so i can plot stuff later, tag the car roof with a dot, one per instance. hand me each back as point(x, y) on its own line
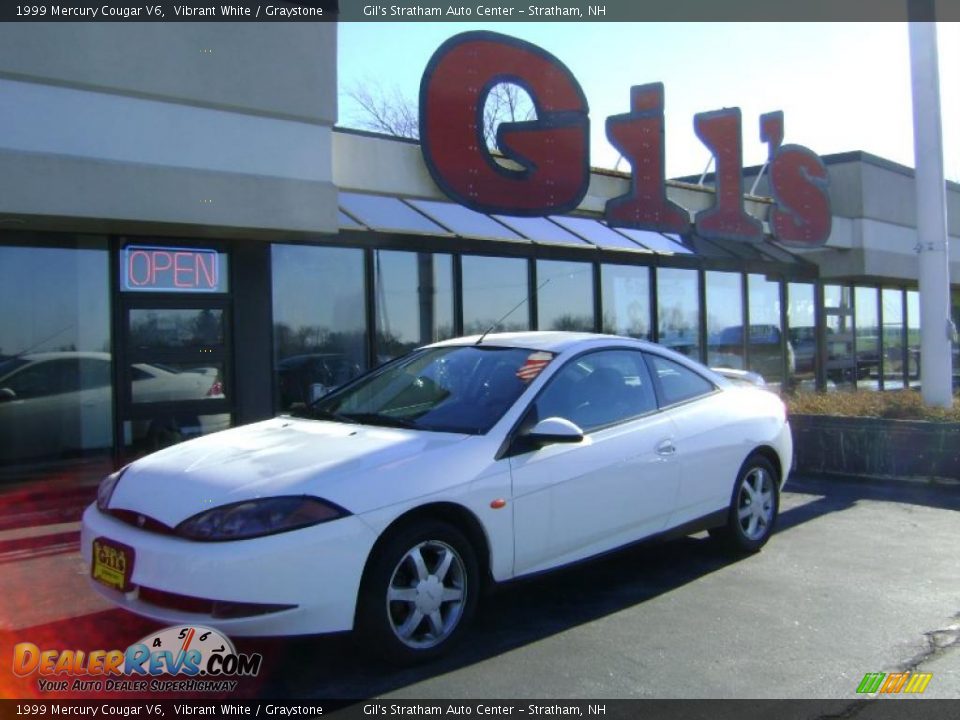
point(69, 354)
point(551, 341)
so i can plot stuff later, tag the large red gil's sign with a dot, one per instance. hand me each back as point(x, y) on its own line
point(552, 156)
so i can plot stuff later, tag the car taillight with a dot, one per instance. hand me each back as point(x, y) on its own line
point(215, 389)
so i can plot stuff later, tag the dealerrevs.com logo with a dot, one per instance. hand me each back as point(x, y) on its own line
point(204, 655)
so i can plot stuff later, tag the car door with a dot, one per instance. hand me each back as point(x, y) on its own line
point(618, 484)
point(708, 449)
point(42, 418)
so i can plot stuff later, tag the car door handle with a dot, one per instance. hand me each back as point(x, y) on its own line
point(666, 447)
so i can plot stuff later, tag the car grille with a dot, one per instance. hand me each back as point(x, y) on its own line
point(141, 521)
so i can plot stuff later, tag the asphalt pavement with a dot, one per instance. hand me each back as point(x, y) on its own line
point(860, 577)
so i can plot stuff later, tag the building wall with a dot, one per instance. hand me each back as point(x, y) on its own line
point(167, 127)
point(874, 221)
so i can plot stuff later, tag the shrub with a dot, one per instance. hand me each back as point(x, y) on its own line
point(895, 404)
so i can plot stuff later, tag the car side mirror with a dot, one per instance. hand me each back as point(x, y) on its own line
point(554, 430)
point(6, 395)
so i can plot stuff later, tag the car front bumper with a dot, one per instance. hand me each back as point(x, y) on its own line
point(316, 570)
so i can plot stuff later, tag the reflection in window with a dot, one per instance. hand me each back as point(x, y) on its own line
point(840, 363)
point(168, 382)
point(565, 296)
point(626, 300)
point(955, 314)
point(913, 337)
point(492, 287)
point(319, 328)
point(765, 341)
point(164, 429)
point(867, 322)
point(802, 335)
point(678, 310)
point(678, 383)
point(414, 300)
point(724, 319)
point(161, 328)
point(598, 390)
point(55, 393)
point(892, 300)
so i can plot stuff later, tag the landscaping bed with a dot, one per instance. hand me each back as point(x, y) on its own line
point(872, 434)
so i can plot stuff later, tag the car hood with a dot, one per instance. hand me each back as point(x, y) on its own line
point(283, 456)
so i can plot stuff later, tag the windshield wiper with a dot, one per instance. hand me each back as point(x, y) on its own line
point(370, 418)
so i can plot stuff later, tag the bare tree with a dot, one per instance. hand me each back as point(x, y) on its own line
point(505, 103)
point(388, 112)
point(391, 113)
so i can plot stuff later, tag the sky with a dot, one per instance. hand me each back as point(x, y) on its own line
point(841, 86)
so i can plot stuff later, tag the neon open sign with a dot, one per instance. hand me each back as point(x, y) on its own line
point(166, 269)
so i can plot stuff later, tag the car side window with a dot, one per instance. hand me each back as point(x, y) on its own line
point(598, 389)
point(678, 382)
point(42, 379)
point(94, 373)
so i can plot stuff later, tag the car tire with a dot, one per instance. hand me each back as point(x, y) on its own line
point(419, 593)
point(754, 505)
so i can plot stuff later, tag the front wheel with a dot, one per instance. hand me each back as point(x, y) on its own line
point(754, 505)
point(419, 593)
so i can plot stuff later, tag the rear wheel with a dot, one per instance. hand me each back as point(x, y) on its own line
point(753, 507)
point(419, 593)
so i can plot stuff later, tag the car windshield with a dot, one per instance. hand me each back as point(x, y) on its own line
point(461, 389)
point(8, 365)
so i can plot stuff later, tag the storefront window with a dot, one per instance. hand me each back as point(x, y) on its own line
point(170, 328)
point(626, 300)
point(56, 396)
point(765, 341)
point(492, 288)
point(319, 328)
point(913, 338)
point(802, 335)
point(413, 296)
point(955, 303)
point(724, 319)
point(678, 310)
point(892, 338)
point(565, 297)
point(868, 338)
point(840, 363)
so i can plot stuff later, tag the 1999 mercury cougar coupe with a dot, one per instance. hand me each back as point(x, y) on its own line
point(386, 505)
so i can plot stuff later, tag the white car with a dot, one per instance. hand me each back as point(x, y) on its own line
point(387, 505)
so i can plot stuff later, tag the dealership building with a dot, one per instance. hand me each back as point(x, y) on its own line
point(188, 243)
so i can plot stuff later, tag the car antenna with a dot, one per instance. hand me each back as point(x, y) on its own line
point(510, 312)
point(47, 339)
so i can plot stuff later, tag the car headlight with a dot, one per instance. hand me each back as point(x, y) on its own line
point(106, 488)
point(255, 518)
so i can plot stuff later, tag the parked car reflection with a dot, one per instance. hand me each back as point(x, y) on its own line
point(765, 348)
point(305, 378)
point(56, 404)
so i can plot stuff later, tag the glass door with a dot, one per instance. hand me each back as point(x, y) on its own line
point(174, 378)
